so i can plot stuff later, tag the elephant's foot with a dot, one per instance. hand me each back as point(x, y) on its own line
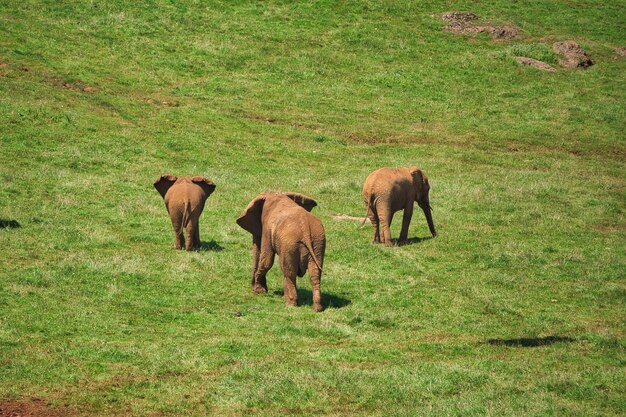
point(259, 285)
point(317, 308)
point(291, 302)
point(259, 289)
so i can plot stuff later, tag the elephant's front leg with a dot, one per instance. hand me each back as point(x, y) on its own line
point(263, 259)
point(385, 215)
point(196, 237)
point(256, 250)
point(406, 221)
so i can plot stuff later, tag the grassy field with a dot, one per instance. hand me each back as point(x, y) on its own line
point(517, 308)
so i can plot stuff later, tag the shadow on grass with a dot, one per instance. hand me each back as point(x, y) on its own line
point(305, 297)
point(411, 241)
point(212, 246)
point(531, 341)
point(9, 224)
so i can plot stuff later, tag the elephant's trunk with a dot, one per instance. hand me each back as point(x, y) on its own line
point(429, 218)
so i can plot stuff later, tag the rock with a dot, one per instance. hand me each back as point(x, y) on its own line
point(534, 63)
point(573, 55)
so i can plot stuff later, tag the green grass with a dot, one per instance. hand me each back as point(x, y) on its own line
point(97, 311)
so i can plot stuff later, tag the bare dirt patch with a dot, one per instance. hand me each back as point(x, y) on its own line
point(572, 55)
point(620, 51)
point(32, 407)
point(264, 119)
point(76, 86)
point(611, 228)
point(470, 23)
point(378, 138)
point(274, 121)
point(522, 60)
point(350, 218)
point(162, 102)
point(459, 18)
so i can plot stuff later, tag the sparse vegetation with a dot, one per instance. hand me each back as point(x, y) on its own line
point(517, 308)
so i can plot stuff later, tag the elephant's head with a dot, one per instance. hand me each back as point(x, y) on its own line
point(250, 218)
point(422, 190)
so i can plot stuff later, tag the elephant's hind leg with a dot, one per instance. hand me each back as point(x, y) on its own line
point(373, 216)
point(315, 275)
point(386, 216)
point(177, 224)
point(289, 264)
point(192, 227)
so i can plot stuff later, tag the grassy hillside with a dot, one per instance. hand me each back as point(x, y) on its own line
point(517, 308)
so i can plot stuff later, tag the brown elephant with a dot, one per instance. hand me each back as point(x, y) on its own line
point(388, 190)
point(184, 198)
point(282, 223)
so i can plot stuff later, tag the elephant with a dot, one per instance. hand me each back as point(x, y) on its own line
point(388, 190)
point(184, 198)
point(282, 223)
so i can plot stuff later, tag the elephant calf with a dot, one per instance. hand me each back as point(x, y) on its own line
point(281, 223)
point(388, 190)
point(184, 198)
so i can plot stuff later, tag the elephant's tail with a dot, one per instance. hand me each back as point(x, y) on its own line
point(307, 243)
point(186, 213)
point(368, 204)
point(367, 214)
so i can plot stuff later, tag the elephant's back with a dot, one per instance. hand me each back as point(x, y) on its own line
point(294, 221)
point(316, 226)
point(184, 194)
point(382, 179)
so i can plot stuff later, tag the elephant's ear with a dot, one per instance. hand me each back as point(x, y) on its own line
point(206, 184)
point(420, 182)
point(418, 175)
point(163, 183)
point(250, 218)
point(303, 201)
